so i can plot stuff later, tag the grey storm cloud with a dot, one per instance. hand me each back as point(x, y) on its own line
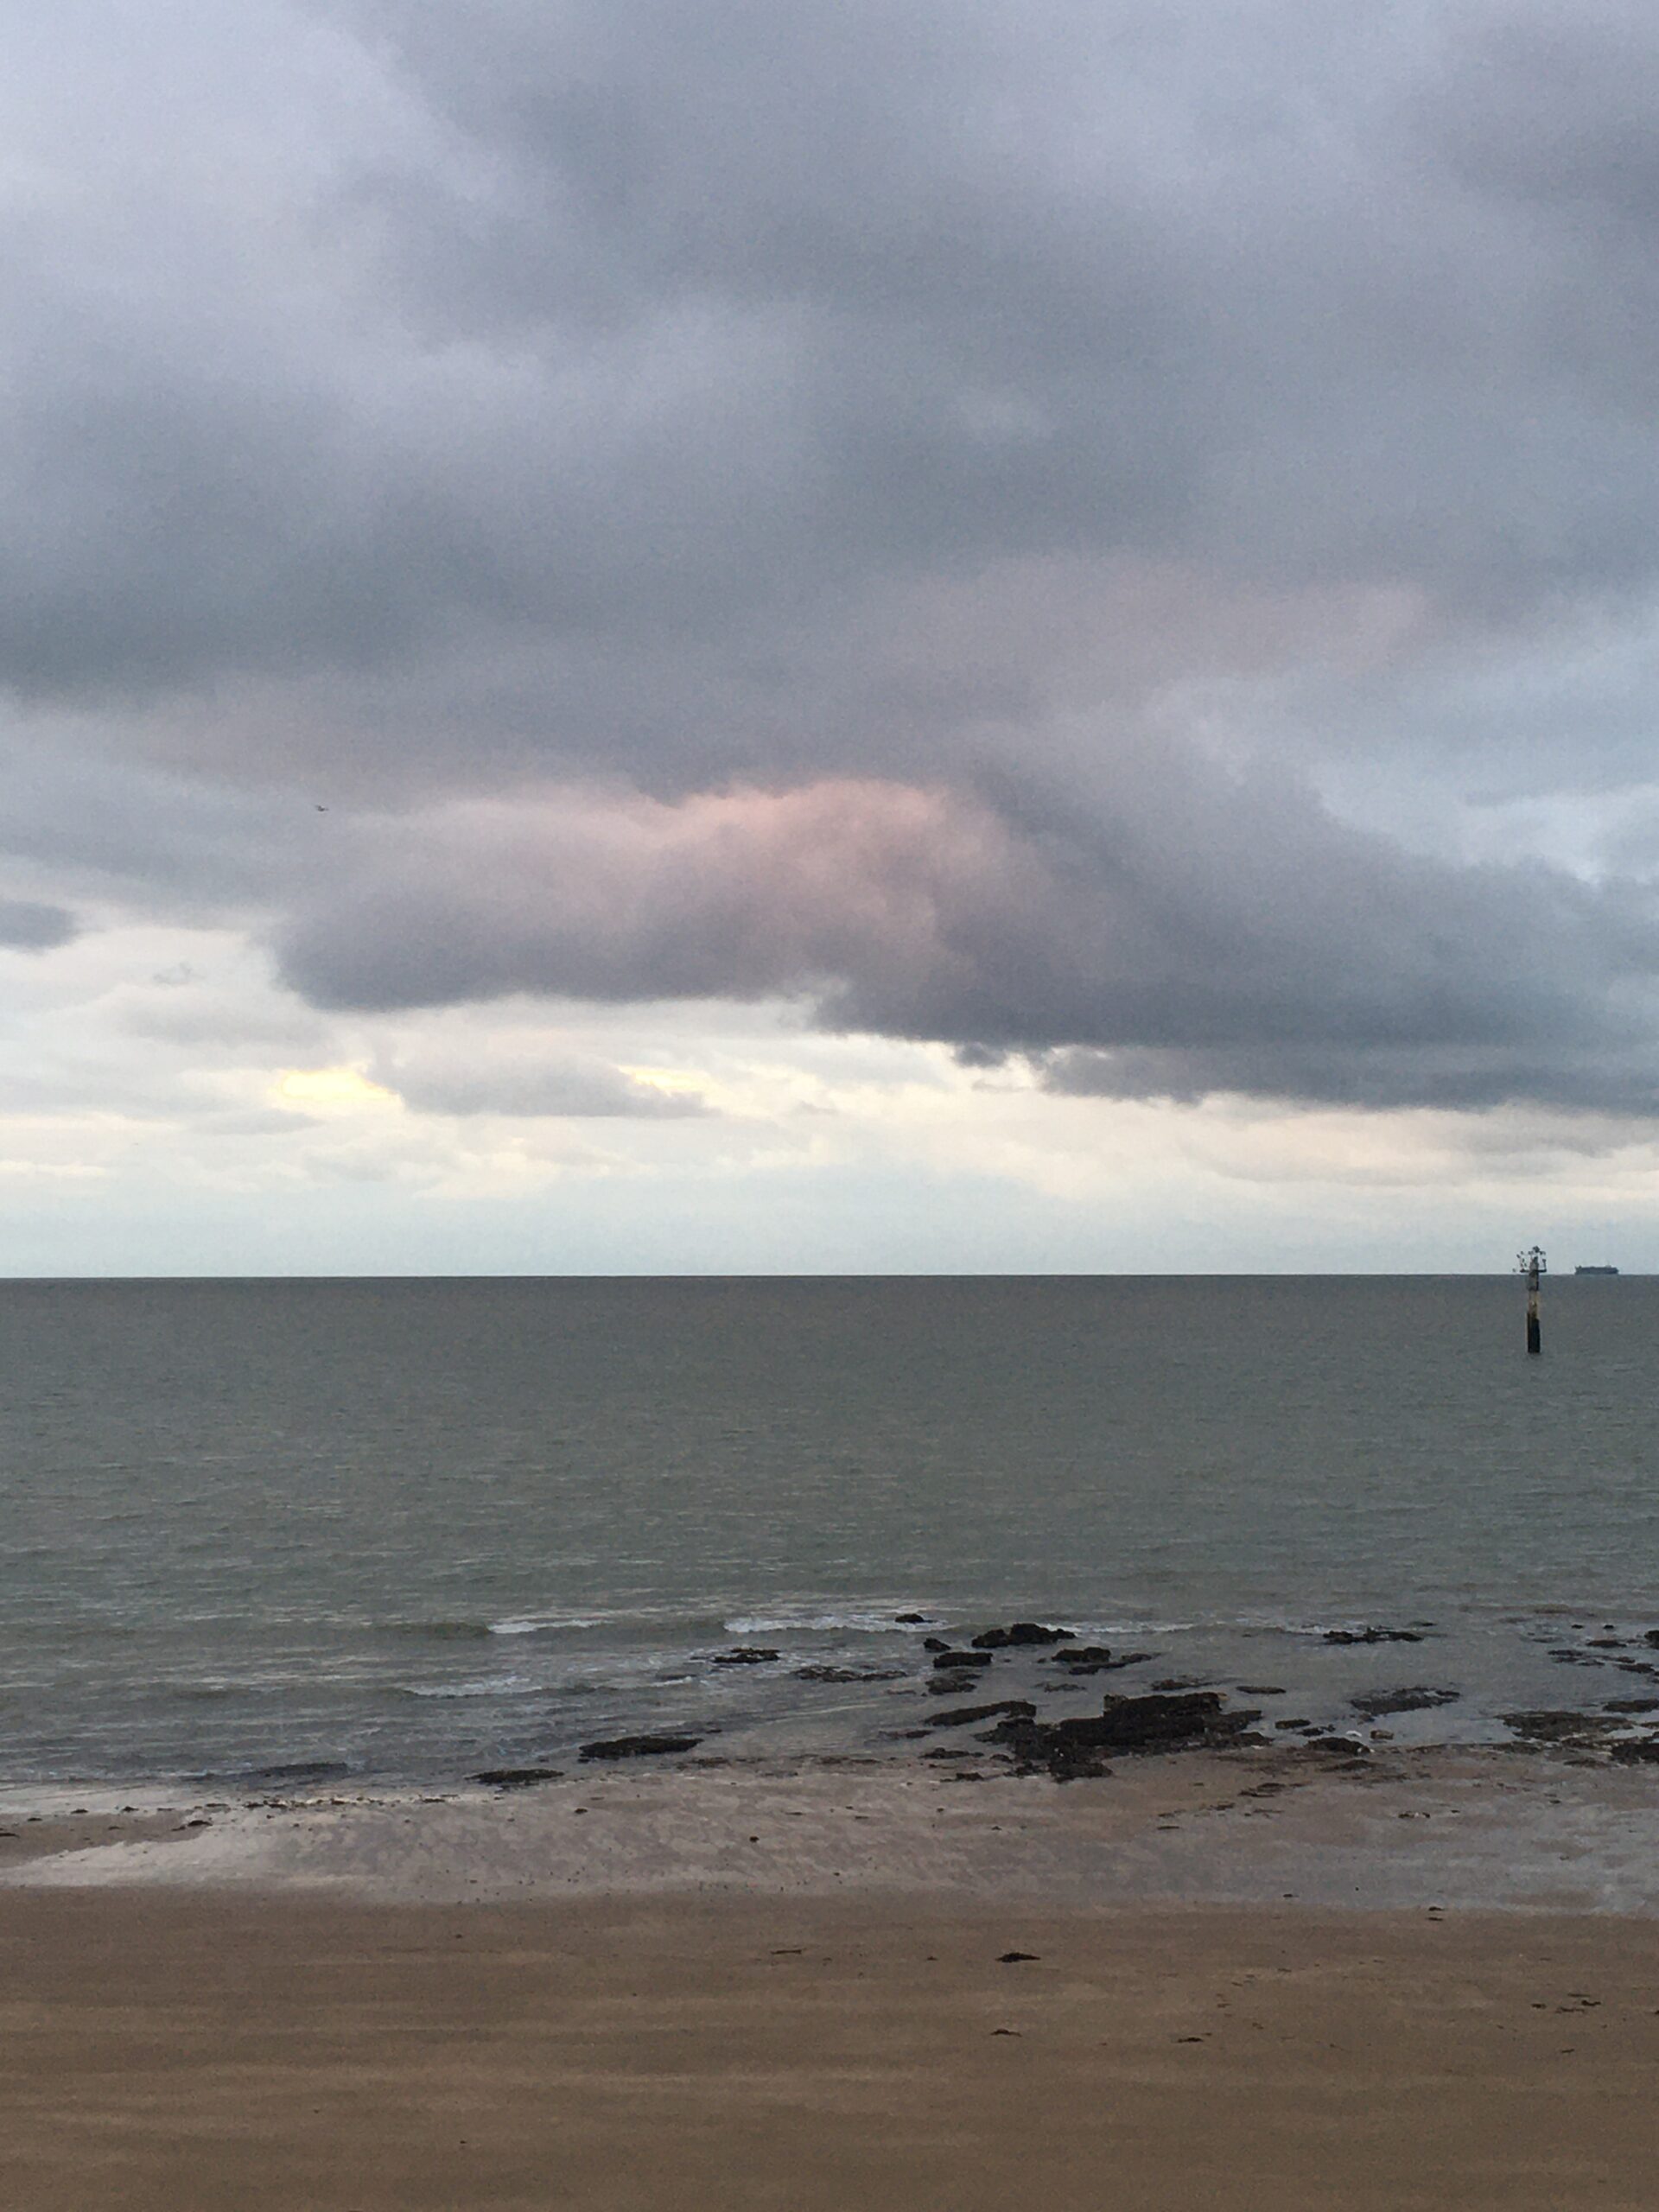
point(638, 322)
point(756, 499)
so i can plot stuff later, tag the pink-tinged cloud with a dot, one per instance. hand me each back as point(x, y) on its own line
point(1189, 932)
point(741, 894)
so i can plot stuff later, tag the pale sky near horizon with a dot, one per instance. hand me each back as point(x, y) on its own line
point(679, 635)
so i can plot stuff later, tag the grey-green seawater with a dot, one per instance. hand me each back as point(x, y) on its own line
point(412, 1528)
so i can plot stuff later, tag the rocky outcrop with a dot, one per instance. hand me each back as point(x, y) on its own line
point(746, 1654)
point(519, 1777)
point(1070, 1749)
point(947, 1658)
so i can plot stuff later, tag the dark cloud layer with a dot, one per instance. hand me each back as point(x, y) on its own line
point(850, 501)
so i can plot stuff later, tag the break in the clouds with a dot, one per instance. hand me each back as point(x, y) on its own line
point(1112, 531)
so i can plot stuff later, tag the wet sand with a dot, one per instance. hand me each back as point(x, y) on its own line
point(171, 2052)
point(1465, 1829)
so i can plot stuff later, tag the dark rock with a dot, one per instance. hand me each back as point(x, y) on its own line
point(1128, 1722)
point(945, 1657)
point(1378, 1702)
point(1017, 1958)
point(999, 1639)
point(934, 1643)
point(637, 1747)
point(1262, 1689)
point(1095, 1659)
point(848, 1674)
point(1185, 1682)
point(1604, 1644)
point(519, 1777)
point(1652, 1636)
point(911, 1620)
point(1068, 1749)
point(746, 1654)
point(1019, 1708)
point(956, 1681)
point(1372, 1635)
point(1643, 1751)
point(1055, 1750)
point(1632, 1705)
point(1084, 1655)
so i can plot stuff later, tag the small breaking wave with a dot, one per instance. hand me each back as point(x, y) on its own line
point(483, 1686)
point(788, 1621)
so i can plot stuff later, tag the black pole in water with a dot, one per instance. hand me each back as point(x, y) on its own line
point(1533, 1264)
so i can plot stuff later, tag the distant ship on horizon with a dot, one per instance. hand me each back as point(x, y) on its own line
point(1595, 1271)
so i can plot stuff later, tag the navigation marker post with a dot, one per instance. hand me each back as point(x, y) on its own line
point(1532, 1264)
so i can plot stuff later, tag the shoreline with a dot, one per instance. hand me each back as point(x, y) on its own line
point(1521, 1830)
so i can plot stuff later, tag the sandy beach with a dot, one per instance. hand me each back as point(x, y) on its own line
point(868, 1987)
point(178, 2053)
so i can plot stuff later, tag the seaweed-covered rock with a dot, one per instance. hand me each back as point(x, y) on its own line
point(1376, 1703)
point(1017, 1708)
point(1020, 1632)
point(1574, 1730)
point(747, 1655)
point(519, 1777)
point(821, 1674)
point(1372, 1635)
point(639, 1747)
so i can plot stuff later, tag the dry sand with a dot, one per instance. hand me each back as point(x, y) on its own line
point(166, 2053)
point(758, 1993)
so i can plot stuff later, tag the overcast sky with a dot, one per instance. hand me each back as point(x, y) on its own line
point(675, 634)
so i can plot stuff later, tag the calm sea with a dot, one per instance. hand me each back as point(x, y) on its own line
point(407, 1529)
